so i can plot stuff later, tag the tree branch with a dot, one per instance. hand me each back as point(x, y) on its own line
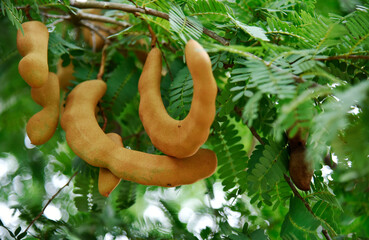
point(133, 9)
point(99, 18)
point(48, 202)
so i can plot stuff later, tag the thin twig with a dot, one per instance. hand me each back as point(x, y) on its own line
point(238, 111)
point(132, 9)
point(297, 194)
point(152, 33)
point(326, 234)
point(256, 135)
point(48, 15)
point(343, 57)
point(50, 200)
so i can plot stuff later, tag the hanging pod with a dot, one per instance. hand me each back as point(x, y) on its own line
point(32, 45)
point(178, 138)
point(41, 126)
point(90, 143)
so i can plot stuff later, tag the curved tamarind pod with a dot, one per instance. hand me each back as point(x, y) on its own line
point(89, 142)
point(178, 138)
point(65, 75)
point(41, 126)
point(107, 180)
point(301, 171)
point(33, 46)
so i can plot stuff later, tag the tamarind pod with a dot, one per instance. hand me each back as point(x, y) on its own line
point(33, 46)
point(107, 180)
point(93, 39)
point(41, 126)
point(178, 138)
point(90, 143)
point(65, 75)
point(301, 170)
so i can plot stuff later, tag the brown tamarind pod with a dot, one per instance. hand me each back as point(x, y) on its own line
point(90, 143)
point(107, 180)
point(33, 46)
point(41, 126)
point(92, 38)
point(301, 170)
point(65, 74)
point(178, 138)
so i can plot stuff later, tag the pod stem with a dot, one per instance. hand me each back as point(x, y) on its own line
point(102, 62)
point(152, 33)
point(104, 117)
point(153, 36)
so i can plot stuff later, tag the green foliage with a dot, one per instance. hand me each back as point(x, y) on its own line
point(284, 66)
point(127, 194)
point(215, 10)
point(87, 193)
point(122, 87)
point(15, 16)
point(232, 158)
point(186, 27)
point(299, 224)
point(265, 170)
point(180, 94)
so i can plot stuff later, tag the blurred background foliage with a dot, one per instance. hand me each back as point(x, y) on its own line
point(272, 43)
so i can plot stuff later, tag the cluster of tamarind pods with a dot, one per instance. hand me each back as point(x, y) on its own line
point(184, 161)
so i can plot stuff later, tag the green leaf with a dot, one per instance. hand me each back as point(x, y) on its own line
point(186, 27)
point(122, 86)
point(255, 32)
point(299, 223)
point(127, 194)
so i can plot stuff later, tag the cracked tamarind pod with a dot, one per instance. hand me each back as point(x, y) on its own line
point(178, 138)
point(107, 180)
point(41, 126)
point(301, 170)
point(33, 46)
point(90, 143)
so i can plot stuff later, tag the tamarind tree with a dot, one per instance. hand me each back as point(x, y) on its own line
point(290, 132)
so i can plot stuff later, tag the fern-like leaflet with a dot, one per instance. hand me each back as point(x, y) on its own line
point(87, 193)
point(180, 94)
point(266, 167)
point(232, 158)
point(122, 86)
